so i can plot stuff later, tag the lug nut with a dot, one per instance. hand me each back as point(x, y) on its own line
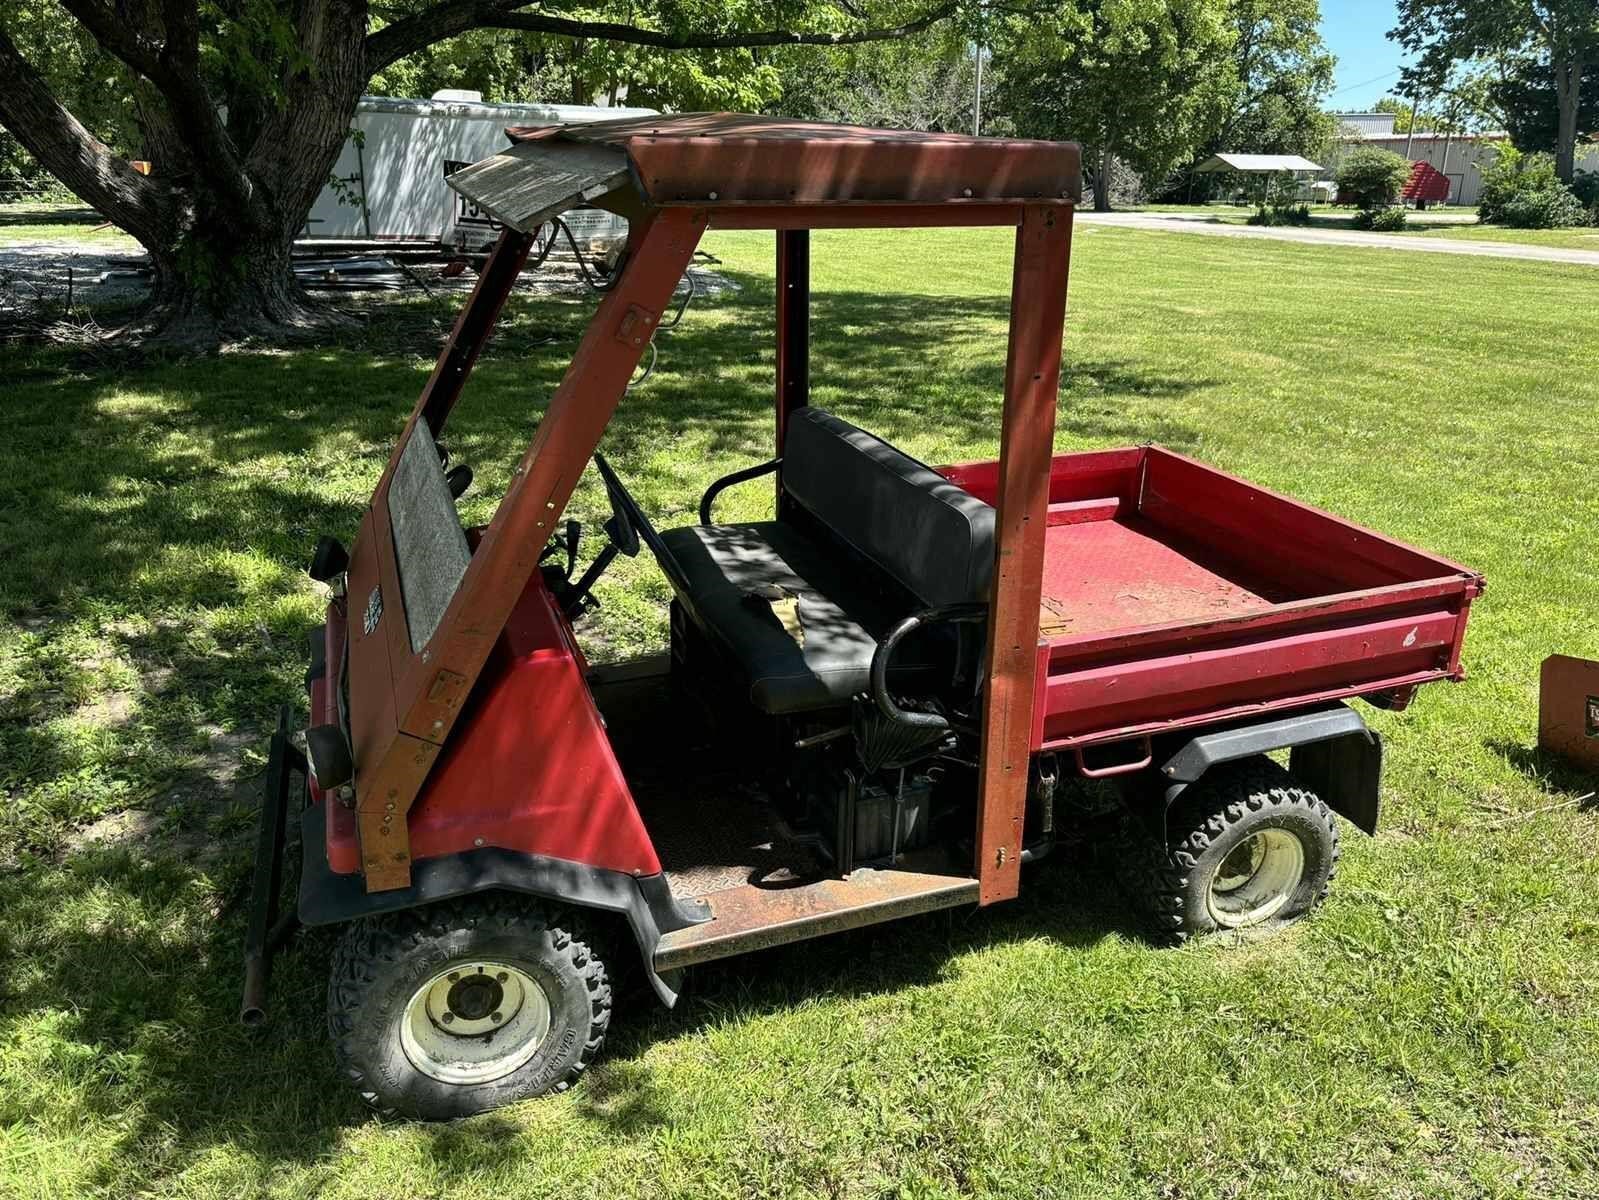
point(453, 976)
point(496, 1018)
point(502, 976)
point(449, 1017)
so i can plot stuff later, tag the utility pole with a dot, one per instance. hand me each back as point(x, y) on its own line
point(977, 101)
point(1410, 134)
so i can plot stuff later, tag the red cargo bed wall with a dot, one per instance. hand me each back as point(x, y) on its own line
point(1310, 553)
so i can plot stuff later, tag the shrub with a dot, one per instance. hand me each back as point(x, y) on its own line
point(1550, 208)
point(1281, 214)
point(1585, 187)
point(1523, 191)
point(1370, 178)
point(1380, 220)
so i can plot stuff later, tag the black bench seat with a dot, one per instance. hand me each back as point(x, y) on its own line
point(798, 605)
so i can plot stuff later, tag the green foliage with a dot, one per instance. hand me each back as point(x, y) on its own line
point(1143, 81)
point(1380, 220)
point(91, 84)
point(1548, 208)
point(1370, 178)
point(1524, 92)
point(1524, 192)
point(1429, 1033)
point(1585, 187)
point(923, 82)
point(1561, 34)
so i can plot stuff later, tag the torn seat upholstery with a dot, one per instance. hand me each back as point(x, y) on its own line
point(796, 606)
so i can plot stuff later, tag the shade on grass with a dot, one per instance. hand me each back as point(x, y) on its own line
point(1430, 1032)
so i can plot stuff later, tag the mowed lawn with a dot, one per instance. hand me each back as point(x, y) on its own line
point(1432, 1031)
point(1431, 223)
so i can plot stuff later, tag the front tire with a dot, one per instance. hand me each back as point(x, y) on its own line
point(457, 1008)
point(1247, 847)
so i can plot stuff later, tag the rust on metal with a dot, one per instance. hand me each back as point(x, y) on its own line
point(1026, 447)
point(730, 159)
point(1568, 709)
point(752, 917)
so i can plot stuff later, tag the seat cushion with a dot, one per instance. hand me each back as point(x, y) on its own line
point(792, 618)
point(935, 539)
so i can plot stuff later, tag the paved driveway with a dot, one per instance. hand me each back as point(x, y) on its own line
point(1203, 223)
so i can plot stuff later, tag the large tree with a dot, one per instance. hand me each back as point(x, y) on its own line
point(1561, 34)
point(1283, 73)
point(1140, 81)
point(242, 107)
point(1524, 97)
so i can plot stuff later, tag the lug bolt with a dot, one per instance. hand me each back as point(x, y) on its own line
point(496, 1018)
point(502, 976)
point(448, 1018)
point(453, 976)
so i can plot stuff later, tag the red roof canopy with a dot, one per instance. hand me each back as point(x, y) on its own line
point(739, 158)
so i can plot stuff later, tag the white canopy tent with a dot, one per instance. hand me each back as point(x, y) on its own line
point(1256, 164)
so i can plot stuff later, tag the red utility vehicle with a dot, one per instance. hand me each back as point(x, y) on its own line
point(917, 664)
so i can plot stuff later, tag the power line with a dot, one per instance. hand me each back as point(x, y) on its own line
point(1368, 82)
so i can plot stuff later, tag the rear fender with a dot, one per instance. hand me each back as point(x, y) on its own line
point(1332, 753)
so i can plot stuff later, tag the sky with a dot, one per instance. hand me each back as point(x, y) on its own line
point(1368, 63)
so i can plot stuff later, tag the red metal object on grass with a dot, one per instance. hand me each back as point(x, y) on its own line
point(906, 672)
point(1426, 185)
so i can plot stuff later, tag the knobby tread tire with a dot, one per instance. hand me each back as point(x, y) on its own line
point(377, 951)
point(1229, 795)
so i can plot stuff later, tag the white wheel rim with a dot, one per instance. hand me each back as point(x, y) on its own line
point(475, 1022)
point(1256, 879)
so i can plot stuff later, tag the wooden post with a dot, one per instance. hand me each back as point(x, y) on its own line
point(1026, 450)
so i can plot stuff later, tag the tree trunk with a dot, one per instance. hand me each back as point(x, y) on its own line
point(1568, 92)
point(214, 285)
point(1102, 182)
point(218, 230)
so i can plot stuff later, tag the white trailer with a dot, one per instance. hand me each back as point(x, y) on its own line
point(389, 181)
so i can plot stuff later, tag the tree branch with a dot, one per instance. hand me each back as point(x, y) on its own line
point(173, 69)
point(30, 110)
point(451, 17)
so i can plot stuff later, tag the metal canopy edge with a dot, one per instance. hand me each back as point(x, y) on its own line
point(532, 181)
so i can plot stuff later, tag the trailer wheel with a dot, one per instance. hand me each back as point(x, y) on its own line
point(457, 1008)
point(1246, 847)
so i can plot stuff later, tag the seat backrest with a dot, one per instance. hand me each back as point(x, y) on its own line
point(934, 538)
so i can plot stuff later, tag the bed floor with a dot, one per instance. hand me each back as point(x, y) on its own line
point(1130, 572)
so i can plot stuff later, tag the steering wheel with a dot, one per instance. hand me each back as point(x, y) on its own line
point(627, 521)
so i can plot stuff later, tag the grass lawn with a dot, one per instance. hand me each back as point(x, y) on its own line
point(1433, 223)
point(1432, 1031)
point(30, 221)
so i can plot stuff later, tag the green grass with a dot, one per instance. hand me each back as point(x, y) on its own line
point(1433, 223)
point(1432, 1031)
point(22, 222)
point(1570, 239)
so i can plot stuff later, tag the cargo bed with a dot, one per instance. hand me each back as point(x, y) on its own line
point(1174, 594)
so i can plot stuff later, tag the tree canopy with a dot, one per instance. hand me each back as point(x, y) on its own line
point(1142, 81)
point(1563, 35)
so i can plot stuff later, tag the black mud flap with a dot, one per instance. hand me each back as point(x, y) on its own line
point(266, 930)
point(1346, 772)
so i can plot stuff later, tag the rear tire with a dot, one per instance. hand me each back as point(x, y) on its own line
point(457, 1008)
point(1246, 848)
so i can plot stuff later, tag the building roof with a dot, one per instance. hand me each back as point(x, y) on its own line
point(714, 160)
point(1256, 164)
